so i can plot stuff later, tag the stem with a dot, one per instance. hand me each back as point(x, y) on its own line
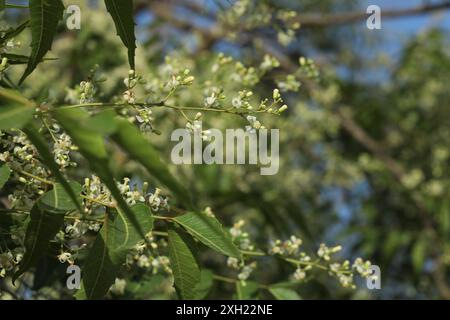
point(24, 173)
point(16, 6)
point(224, 279)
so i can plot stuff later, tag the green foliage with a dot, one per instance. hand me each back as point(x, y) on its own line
point(46, 154)
point(117, 236)
point(351, 170)
point(186, 269)
point(13, 32)
point(122, 14)
point(44, 18)
point(209, 231)
point(15, 111)
point(5, 173)
point(46, 219)
point(132, 141)
point(281, 293)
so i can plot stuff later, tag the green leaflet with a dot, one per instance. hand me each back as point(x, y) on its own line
point(57, 200)
point(88, 140)
point(281, 293)
point(44, 151)
point(248, 291)
point(13, 32)
point(5, 172)
point(46, 219)
point(186, 270)
point(17, 58)
point(204, 286)
point(117, 236)
point(209, 231)
point(92, 147)
point(132, 141)
point(103, 122)
point(14, 116)
point(15, 110)
point(44, 18)
point(123, 16)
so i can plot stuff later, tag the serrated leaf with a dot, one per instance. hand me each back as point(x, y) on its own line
point(209, 231)
point(5, 172)
point(92, 147)
point(44, 18)
point(247, 290)
point(185, 268)
point(281, 293)
point(108, 253)
point(133, 142)
point(57, 200)
point(122, 13)
point(204, 286)
point(42, 228)
point(44, 151)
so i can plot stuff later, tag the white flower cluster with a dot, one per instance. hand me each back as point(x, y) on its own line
point(195, 128)
point(61, 149)
point(145, 119)
point(83, 93)
point(240, 237)
point(288, 247)
point(96, 194)
point(131, 82)
point(325, 252)
point(119, 286)
point(245, 270)
point(20, 155)
point(146, 255)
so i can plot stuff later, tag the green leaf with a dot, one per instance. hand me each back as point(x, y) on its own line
point(186, 270)
point(209, 231)
point(247, 290)
point(58, 200)
point(108, 253)
point(41, 145)
point(90, 142)
point(13, 32)
point(103, 122)
point(281, 293)
point(122, 13)
point(134, 143)
point(5, 172)
point(15, 110)
point(44, 18)
point(42, 228)
point(204, 286)
point(14, 116)
point(92, 147)
point(14, 59)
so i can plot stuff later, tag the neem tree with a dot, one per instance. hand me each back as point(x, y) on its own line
point(63, 197)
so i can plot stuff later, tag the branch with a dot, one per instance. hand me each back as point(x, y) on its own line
point(324, 20)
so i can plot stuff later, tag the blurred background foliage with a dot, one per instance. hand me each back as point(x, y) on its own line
point(364, 149)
